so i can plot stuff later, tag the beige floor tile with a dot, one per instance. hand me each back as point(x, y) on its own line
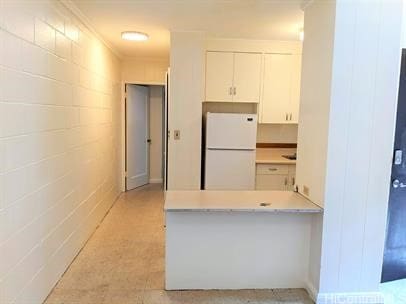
point(292, 296)
point(156, 280)
point(178, 297)
point(124, 297)
point(128, 281)
point(72, 296)
point(86, 280)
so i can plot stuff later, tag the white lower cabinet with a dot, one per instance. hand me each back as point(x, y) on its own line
point(275, 177)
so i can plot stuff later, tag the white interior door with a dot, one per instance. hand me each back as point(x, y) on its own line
point(137, 136)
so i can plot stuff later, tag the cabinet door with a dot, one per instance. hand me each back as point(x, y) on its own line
point(271, 182)
point(219, 76)
point(295, 90)
point(276, 96)
point(291, 178)
point(247, 77)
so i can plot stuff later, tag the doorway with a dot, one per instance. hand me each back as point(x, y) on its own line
point(144, 108)
point(394, 263)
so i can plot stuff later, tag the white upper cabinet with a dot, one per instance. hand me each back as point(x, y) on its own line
point(233, 77)
point(247, 77)
point(295, 89)
point(281, 89)
point(273, 80)
point(219, 76)
point(276, 88)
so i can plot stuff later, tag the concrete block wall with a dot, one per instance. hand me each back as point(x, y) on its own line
point(59, 143)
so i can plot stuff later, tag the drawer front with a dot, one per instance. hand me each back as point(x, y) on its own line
point(266, 169)
point(271, 182)
point(292, 170)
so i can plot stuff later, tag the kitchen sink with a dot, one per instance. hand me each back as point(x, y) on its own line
point(290, 157)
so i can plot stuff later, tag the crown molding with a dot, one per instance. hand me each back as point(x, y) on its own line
point(146, 58)
point(305, 4)
point(88, 24)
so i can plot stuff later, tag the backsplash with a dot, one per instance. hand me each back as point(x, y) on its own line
point(277, 133)
point(229, 107)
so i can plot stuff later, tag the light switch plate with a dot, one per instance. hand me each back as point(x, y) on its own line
point(176, 134)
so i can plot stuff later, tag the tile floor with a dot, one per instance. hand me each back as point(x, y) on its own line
point(123, 263)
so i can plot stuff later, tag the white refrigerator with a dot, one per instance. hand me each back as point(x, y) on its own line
point(230, 151)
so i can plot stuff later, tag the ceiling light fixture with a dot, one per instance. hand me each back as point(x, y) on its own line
point(134, 36)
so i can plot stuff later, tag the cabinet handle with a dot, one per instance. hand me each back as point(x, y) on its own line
point(293, 181)
point(273, 169)
point(290, 117)
point(286, 116)
point(230, 91)
point(286, 181)
point(235, 90)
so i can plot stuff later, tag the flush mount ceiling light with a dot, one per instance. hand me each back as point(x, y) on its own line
point(134, 36)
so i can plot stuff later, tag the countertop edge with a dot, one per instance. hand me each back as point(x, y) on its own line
point(275, 162)
point(296, 211)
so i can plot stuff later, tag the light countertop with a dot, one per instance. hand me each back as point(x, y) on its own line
point(274, 156)
point(247, 201)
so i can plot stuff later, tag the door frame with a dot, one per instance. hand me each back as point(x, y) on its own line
point(123, 123)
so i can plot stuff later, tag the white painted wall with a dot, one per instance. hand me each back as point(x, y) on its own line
point(144, 70)
point(360, 144)
point(357, 79)
point(315, 98)
point(185, 110)
point(59, 143)
point(155, 130)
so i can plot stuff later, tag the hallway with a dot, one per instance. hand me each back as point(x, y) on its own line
point(123, 263)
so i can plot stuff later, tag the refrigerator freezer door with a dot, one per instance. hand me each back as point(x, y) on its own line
point(230, 170)
point(231, 131)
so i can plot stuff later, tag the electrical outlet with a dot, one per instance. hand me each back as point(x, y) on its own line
point(176, 134)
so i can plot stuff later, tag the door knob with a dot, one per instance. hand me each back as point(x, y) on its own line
point(397, 184)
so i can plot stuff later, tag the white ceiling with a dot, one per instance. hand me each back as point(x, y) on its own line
point(248, 19)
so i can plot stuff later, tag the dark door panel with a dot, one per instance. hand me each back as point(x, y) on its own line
point(394, 264)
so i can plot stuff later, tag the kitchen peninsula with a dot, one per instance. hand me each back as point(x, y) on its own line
point(237, 239)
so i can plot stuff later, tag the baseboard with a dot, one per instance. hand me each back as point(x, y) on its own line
point(155, 181)
point(351, 298)
point(312, 291)
point(344, 298)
